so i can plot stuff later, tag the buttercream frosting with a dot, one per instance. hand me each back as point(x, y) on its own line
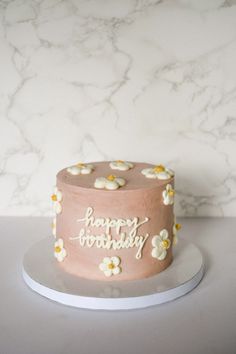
point(95, 224)
point(121, 165)
point(59, 250)
point(110, 182)
point(168, 195)
point(110, 266)
point(57, 198)
point(158, 171)
point(160, 244)
point(80, 169)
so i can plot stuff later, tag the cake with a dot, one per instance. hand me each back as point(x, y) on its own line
point(114, 220)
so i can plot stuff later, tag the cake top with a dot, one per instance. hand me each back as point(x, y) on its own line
point(112, 175)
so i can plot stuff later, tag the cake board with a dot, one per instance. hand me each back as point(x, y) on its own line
point(42, 274)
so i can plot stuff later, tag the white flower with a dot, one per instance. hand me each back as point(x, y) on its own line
point(54, 227)
point(80, 169)
point(176, 228)
point(158, 171)
point(121, 165)
point(57, 198)
point(161, 243)
point(111, 182)
point(168, 195)
point(110, 266)
point(59, 250)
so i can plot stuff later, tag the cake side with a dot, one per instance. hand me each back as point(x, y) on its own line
point(120, 234)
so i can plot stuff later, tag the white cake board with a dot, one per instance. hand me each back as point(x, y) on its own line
point(42, 274)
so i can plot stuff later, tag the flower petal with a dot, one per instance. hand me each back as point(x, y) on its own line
point(111, 185)
point(116, 270)
point(57, 207)
point(155, 252)
point(156, 240)
point(163, 175)
point(115, 260)
point(59, 196)
point(130, 164)
point(74, 170)
point(103, 266)
point(151, 174)
point(107, 260)
point(86, 170)
point(63, 253)
point(118, 166)
point(100, 182)
point(145, 171)
point(162, 254)
point(175, 240)
point(60, 242)
point(108, 272)
point(120, 181)
point(170, 172)
point(164, 234)
point(60, 258)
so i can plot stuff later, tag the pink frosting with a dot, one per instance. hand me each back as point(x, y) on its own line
point(141, 197)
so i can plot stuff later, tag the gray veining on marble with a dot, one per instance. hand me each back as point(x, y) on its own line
point(139, 80)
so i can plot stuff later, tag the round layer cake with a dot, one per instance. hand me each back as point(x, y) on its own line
point(114, 220)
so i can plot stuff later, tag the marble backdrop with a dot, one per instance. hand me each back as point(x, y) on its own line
point(142, 80)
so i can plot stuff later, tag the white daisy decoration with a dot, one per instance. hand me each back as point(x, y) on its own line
point(121, 165)
point(59, 250)
point(57, 198)
point(168, 195)
point(110, 266)
point(159, 171)
point(176, 228)
point(80, 169)
point(111, 182)
point(54, 227)
point(160, 244)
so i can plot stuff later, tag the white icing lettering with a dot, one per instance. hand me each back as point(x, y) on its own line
point(127, 239)
point(108, 223)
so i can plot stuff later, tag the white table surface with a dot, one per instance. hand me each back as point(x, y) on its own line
point(204, 321)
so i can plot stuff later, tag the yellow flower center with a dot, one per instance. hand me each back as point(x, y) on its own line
point(119, 161)
point(57, 249)
point(110, 266)
point(178, 226)
point(54, 197)
point(159, 168)
point(165, 243)
point(80, 164)
point(171, 192)
point(111, 177)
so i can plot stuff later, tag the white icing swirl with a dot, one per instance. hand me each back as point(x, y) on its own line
point(121, 165)
point(110, 266)
point(160, 244)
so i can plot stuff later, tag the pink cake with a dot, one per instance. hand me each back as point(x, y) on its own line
point(114, 220)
